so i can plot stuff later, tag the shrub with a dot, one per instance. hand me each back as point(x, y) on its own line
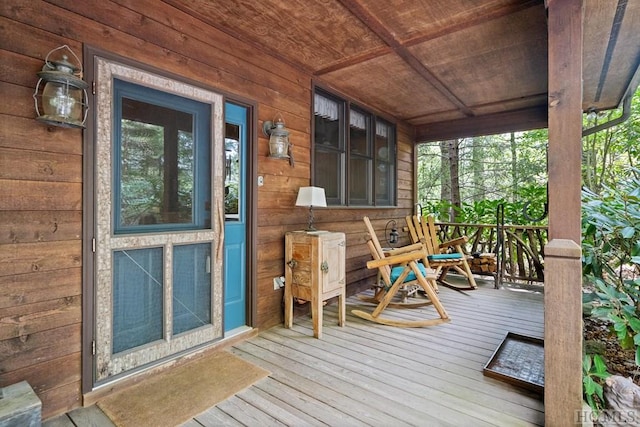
point(610, 261)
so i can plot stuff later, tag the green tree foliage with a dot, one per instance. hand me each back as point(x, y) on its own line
point(489, 174)
point(611, 256)
point(512, 169)
point(606, 154)
point(144, 174)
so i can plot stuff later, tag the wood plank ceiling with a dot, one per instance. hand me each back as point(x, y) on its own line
point(449, 67)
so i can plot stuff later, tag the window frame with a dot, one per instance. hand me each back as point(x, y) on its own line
point(343, 149)
point(201, 120)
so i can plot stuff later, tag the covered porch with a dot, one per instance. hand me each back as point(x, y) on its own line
point(369, 374)
point(452, 69)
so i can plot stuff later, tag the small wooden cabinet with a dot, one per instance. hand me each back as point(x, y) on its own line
point(315, 272)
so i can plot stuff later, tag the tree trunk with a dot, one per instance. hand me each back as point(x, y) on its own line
point(478, 169)
point(514, 166)
point(454, 172)
point(445, 180)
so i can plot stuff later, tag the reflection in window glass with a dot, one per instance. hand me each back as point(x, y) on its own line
point(232, 171)
point(156, 165)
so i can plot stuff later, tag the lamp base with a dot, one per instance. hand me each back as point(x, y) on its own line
point(310, 226)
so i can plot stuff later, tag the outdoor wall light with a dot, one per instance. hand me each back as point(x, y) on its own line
point(279, 146)
point(392, 237)
point(63, 98)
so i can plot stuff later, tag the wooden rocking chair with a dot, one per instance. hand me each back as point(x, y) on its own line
point(408, 272)
point(441, 256)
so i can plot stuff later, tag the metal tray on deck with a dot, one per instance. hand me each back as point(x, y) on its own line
point(518, 360)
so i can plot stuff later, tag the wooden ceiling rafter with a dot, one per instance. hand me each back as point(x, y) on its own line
point(539, 97)
point(455, 27)
point(433, 64)
point(478, 19)
point(360, 12)
point(507, 121)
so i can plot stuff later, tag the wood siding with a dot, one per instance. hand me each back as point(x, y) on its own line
point(41, 173)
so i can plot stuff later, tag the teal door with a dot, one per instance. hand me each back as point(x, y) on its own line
point(235, 245)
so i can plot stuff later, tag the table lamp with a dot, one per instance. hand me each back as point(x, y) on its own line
point(311, 196)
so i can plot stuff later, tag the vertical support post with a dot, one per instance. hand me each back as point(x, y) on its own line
point(563, 276)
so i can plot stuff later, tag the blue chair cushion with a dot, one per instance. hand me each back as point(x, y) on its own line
point(444, 256)
point(397, 271)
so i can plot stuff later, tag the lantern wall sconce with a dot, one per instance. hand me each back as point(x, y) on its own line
point(63, 99)
point(392, 237)
point(279, 145)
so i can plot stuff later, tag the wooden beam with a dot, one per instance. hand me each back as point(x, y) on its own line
point(512, 121)
point(563, 281)
point(360, 12)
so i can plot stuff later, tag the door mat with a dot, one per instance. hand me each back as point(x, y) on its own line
point(519, 360)
point(177, 395)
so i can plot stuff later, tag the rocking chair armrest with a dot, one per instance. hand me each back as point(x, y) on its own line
point(397, 259)
point(404, 249)
point(455, 242)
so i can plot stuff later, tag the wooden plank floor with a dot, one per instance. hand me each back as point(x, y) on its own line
point(367, 374)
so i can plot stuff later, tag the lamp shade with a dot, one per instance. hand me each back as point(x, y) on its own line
point(311, 196)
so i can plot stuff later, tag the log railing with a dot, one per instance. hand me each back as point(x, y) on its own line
point(513, 254)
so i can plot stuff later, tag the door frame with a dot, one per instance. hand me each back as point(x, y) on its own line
point(88, 209)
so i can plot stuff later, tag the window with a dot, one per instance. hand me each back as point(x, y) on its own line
point(354, 163)
point(162, 170)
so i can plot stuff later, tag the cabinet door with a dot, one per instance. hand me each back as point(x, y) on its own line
point(333, 262)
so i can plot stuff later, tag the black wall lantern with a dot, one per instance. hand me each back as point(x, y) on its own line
point(392, 237)
point(61, 96)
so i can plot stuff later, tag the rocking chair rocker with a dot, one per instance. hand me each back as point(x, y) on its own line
point(441, 256)
point(408, 272)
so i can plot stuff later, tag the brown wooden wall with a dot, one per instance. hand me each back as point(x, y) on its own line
point(41, 173)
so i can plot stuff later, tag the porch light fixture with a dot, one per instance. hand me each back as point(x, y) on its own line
point(63, 98)
point(311, 196)
point(392, 237)
point(278, 134)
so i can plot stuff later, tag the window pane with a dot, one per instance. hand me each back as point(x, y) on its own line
point(328, 116)
point(156, 184)
point(232, 172)
point(328, 174)
point(191, 287)
point(360, 181)
point(359, 124)
point(137, 297)
point(385, 164)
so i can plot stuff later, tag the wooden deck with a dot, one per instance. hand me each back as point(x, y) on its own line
point(369, 374)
